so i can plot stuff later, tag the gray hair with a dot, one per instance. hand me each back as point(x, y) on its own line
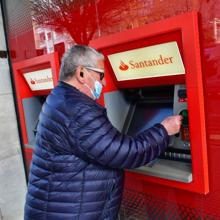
point(78, 55)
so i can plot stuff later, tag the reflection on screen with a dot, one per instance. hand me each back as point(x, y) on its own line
point(146, 115)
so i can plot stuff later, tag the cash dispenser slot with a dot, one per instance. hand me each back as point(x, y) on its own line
point(151, 105)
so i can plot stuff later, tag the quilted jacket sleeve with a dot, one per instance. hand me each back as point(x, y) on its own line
point(98, 141)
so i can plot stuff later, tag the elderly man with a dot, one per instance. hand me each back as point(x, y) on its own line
point(78, 161)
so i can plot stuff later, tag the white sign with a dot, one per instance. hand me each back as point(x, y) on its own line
point(147, 62)
point(40, 80)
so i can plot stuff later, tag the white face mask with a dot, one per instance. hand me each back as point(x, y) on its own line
point(97, 89)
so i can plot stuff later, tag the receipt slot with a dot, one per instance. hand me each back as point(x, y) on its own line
point(152, 72)
point(34, 78)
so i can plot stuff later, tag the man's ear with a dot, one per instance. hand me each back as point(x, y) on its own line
point(80, 76)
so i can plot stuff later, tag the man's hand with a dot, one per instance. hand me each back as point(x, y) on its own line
point(172, 124)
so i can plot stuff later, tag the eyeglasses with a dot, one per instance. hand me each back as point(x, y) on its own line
point(101, 72)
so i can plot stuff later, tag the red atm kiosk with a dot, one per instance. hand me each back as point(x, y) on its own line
point(34, 78)
point(152, 72)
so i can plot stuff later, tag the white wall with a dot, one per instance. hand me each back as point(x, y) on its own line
point(12, 176)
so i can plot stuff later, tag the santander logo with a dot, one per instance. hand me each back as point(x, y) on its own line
point(141, 64)
point(32, 81)
point(36, 81)
point(123, 66)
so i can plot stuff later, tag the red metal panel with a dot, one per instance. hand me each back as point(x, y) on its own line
point(184, 30)
point(28, 152)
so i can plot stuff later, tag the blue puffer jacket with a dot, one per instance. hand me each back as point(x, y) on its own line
point(78, 161)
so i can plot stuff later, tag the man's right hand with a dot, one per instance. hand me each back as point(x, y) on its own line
point(172, 124)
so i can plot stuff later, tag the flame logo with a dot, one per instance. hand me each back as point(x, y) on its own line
point(123, 66)
point(32, 81)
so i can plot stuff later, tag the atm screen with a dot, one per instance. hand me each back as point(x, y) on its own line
point(146, 115)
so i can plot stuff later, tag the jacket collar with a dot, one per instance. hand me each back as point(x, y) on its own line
point(75, 90)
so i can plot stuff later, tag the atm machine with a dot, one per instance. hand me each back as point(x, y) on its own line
point(153, 72)
point(34, 78)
